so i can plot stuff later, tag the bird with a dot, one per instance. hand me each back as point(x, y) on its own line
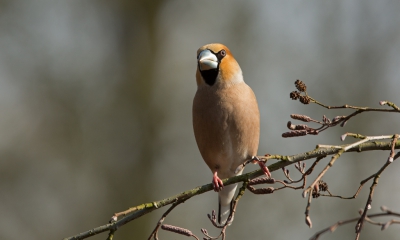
point(226, 121)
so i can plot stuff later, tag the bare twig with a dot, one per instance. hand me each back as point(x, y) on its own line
point(330, 164)
point(357, 192)
point(371, 192)
point(313, 187)
point(392, 153)
point(223, 227)
point(146, 208)
point(366, 139)
point(154, 234)
point(390, 104)
point(111, 234)
point(303, 97)
point(385, 225)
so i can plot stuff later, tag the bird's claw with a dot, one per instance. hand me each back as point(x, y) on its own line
point(262, 165)
point(217, 183)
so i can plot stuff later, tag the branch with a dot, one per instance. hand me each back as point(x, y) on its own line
point(303, 97)
point(385, 225)
point(140, 210)
point(371, 192)
point(155, 231)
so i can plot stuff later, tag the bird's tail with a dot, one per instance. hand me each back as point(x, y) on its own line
point(225, 197)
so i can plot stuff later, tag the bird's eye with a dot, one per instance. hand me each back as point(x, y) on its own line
point(223, 53)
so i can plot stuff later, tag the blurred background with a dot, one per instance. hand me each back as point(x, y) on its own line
point(96, 97)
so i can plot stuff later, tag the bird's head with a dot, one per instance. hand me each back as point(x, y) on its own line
point(216, 64)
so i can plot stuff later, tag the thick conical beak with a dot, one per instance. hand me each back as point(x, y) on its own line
point(207, 60)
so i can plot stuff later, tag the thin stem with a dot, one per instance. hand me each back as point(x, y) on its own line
point(333, 227)
point(155, 231)
point(146, 208)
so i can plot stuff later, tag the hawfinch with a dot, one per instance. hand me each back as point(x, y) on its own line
point(226, 120)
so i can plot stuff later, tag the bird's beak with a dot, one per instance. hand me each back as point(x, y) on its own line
point(207, 60)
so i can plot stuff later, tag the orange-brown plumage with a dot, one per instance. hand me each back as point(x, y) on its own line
point(226, 118)
point(228, 68)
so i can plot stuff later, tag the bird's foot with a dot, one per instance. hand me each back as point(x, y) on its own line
point(262, 165)
point(217, 183)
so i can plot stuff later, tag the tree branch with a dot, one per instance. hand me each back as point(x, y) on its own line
point(146, 208)
point(303, 97)
point(385, 225)
point(367, 143)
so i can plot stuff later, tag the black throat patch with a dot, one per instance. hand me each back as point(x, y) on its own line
point(210, 76)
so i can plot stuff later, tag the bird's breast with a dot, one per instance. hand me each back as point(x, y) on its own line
point(226, 126)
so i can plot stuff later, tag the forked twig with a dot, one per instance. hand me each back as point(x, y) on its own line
point(229, 220)
point(384, 225)
point(154, 234)
point(303, 97)
point(366, 143)
point(360, 222)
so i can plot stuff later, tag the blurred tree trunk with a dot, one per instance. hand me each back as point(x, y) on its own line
point(135, 98)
